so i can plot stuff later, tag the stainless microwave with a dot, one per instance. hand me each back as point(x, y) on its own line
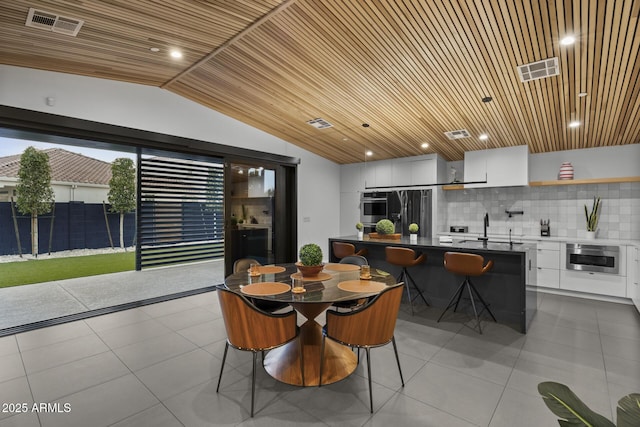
point(598, 258)
point(373, 207)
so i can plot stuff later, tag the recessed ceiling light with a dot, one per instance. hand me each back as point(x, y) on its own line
point(369, 153)
point(574, 124)
point(176, 54)
point(568, 40)
point(582, 94)
point(483, 137)
point(425, 145)
point(154, 49)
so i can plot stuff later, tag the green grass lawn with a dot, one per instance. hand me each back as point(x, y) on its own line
point(46, 270)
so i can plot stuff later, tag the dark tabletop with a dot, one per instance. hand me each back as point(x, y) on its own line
point(325, 291)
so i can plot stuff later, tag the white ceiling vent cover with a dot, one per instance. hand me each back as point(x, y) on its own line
point(52, 22)
point(539, 69)
point(458, 134)
point(319, 123)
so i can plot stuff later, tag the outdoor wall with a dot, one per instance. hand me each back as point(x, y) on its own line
point(157, 110)
point(76, 225)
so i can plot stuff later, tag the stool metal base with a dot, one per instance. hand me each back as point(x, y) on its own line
point(471, 289)
point(408, 283)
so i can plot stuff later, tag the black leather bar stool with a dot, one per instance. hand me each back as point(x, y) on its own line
point(467, 265)
point(341, 250)
point(406, 258)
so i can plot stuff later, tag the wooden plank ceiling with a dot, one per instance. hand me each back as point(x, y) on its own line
point(410, 69)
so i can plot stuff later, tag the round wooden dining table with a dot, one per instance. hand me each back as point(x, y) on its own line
point(335, 283)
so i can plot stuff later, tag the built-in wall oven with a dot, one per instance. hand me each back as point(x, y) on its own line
point(598, 258)
point(373, 208)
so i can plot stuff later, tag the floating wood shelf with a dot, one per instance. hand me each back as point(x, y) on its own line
point(565, 182)
point(453, 187)
point(585, 181)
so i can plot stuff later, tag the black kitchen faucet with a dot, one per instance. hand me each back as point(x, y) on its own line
point(486, 224)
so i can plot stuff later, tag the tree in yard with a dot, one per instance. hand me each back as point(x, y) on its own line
point(35, 194)
point(122, 190)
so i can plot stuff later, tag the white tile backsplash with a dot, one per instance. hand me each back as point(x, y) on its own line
point(562, 205)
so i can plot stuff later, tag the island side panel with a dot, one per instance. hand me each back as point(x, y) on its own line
point(503, 288)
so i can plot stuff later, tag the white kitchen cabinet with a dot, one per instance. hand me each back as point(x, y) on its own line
point(547, 263)
point(369, 172)
point(594, 283)
point(502, 167)
point(379, 173)
point(352, 178)
point(423, 172)
point(401, 172)
point(384, 173)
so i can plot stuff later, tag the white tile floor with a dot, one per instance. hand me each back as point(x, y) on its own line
point(158, 365)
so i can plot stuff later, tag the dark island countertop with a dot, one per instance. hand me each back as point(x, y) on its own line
point(470, 244)
point(504, 286)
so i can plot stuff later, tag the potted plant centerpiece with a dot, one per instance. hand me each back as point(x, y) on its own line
point(413, 232)
point(360, 228)
point(385, 230)
point(592, 217)
point(310, 263)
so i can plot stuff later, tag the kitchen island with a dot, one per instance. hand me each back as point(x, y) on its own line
point(504, 287)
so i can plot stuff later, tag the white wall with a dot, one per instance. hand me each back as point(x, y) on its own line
point(153, 109)
point(600, 162)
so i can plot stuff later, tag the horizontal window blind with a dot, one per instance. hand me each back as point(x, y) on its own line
point(181, 215)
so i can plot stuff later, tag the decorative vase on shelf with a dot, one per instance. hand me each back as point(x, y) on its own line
point(360, 235)
point(591, 235)
point(566, 171)
point(413, 238)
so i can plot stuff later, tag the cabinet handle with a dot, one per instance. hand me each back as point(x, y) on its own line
point(591, 274)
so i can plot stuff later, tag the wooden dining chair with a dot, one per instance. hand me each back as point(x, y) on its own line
point(251, 329)
point(371, 326)
point(242, 265)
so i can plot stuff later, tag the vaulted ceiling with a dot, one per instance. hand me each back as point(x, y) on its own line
point(410, 69)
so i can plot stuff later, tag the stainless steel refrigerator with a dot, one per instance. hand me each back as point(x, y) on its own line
point(408, 206)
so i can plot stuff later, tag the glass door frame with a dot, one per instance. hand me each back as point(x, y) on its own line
point(285, 215)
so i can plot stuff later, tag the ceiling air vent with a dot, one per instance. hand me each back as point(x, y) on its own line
point(539, 69)
point(53, 22)
point(320, 123)
point(458, 134)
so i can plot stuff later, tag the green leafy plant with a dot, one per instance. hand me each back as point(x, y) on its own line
point(384, 226)
point(573, 412)
point(359, 226)
point(122, 190)
point(35, 194)
point(413, 228)
point(592, 217)
point(310, 254)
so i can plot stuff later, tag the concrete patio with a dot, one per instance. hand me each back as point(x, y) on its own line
point(41, 302)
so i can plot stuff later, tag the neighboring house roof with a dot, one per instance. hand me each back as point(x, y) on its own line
point(66, 166)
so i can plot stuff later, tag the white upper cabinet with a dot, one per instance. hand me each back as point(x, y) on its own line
point(352, 178)
point(424, 172)
point(502, 167)
point(406, 171)
point(384, 173)
point(401, 174)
